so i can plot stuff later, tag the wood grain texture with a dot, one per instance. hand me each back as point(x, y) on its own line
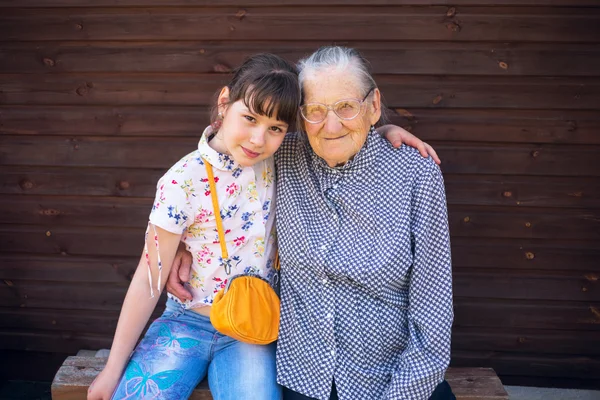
point(415, 58)
point(301, 23)
point(248, 3)
point(460, 158)
point(440, 124)
point(151, 89)
point(77, 373)
point(489, 190)
point(99, 98)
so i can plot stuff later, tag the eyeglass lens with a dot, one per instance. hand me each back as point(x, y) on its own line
point(346, 109)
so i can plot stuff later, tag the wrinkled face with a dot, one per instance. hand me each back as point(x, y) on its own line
point(336, 140)
point(247, 136)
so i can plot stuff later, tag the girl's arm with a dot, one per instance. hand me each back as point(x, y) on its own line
point(397, 135)
point(136, 311)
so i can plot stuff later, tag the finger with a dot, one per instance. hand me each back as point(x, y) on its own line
point(422, 147)
point(433, 154)
point(185, 267)
point(179, 291)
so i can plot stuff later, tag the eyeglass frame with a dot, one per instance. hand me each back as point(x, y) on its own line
point(330, 108)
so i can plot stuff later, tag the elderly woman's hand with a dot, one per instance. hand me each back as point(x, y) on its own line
point(179, 274)
point(397, 136)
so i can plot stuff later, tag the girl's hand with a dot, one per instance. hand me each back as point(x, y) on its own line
point(397, 136)
point(104, 385)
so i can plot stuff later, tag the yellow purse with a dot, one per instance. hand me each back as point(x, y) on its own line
point(247, 309)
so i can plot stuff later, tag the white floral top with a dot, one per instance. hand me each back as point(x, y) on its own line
point(246, 196)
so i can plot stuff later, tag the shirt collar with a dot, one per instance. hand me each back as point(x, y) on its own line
point(218, 160)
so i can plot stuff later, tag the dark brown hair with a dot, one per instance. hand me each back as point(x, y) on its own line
point(268, 85)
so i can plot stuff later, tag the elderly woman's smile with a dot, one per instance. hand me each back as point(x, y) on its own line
point(338, 113)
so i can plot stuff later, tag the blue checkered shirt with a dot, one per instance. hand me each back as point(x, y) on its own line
point(366, 283)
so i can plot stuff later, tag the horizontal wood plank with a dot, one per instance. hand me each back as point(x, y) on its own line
point(162, 153)
point(67, 268)
point(526, 341)
point(301, 23)
point(467, 253)
point(529, 285)
point(517, 253)
point(465, 221)
point(424, 58)
point(501, 284)
point(530, 365)
point(248, 3)
point(470, 316)
point(493, 190)
point(399, 91)
point(519, 126)
point(526, 314)
point(64, 321)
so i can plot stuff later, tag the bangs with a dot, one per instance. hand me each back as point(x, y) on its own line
point(276, 94)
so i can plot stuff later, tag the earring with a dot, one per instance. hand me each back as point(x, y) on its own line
point(373, 131)
point(218, 122)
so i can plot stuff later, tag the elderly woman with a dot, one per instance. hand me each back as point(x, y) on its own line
point(366, 285)
point(366, 292)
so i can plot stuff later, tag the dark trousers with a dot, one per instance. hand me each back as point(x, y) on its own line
point(441, 392)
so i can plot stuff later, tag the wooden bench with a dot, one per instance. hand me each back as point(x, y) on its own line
point(78, 372)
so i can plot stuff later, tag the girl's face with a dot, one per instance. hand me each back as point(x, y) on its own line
point(248, 137)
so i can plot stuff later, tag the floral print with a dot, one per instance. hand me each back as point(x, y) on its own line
point(183, 204)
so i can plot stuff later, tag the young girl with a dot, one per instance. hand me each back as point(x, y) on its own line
point(181, 347)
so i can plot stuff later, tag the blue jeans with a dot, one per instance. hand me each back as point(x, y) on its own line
point(181, 348)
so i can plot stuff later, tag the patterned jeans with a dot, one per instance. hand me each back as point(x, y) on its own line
point(181, 348)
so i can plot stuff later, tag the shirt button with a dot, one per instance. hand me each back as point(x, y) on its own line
point(329, 315)
point(324, 247)
point(325, 281)
point(334, 187)
point(333, 353)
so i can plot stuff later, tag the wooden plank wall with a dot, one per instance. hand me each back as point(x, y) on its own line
point(99, 97)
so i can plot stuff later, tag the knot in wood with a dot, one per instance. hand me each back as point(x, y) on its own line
point(437, 99)
point(522, 340)
point(9, 283)
point(529, 255)
point(503, 65)
point(535, 153)
point(202, 51)
point(81, 90)
point(79, 26)
point(507, 194)
point(49, 212)
point(48, 233)
point(123, 185)
point(451, 12)
point(584, 289)
point(48, 62)
point(240, 14)
point(453, 26)
point(528, 224)
point(466, 219)
point(26, 184)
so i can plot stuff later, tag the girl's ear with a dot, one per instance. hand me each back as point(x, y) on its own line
point(223, 100)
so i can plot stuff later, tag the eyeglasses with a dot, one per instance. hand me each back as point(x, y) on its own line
point(345, 109)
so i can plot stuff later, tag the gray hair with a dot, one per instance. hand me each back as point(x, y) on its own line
point(339, 58)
